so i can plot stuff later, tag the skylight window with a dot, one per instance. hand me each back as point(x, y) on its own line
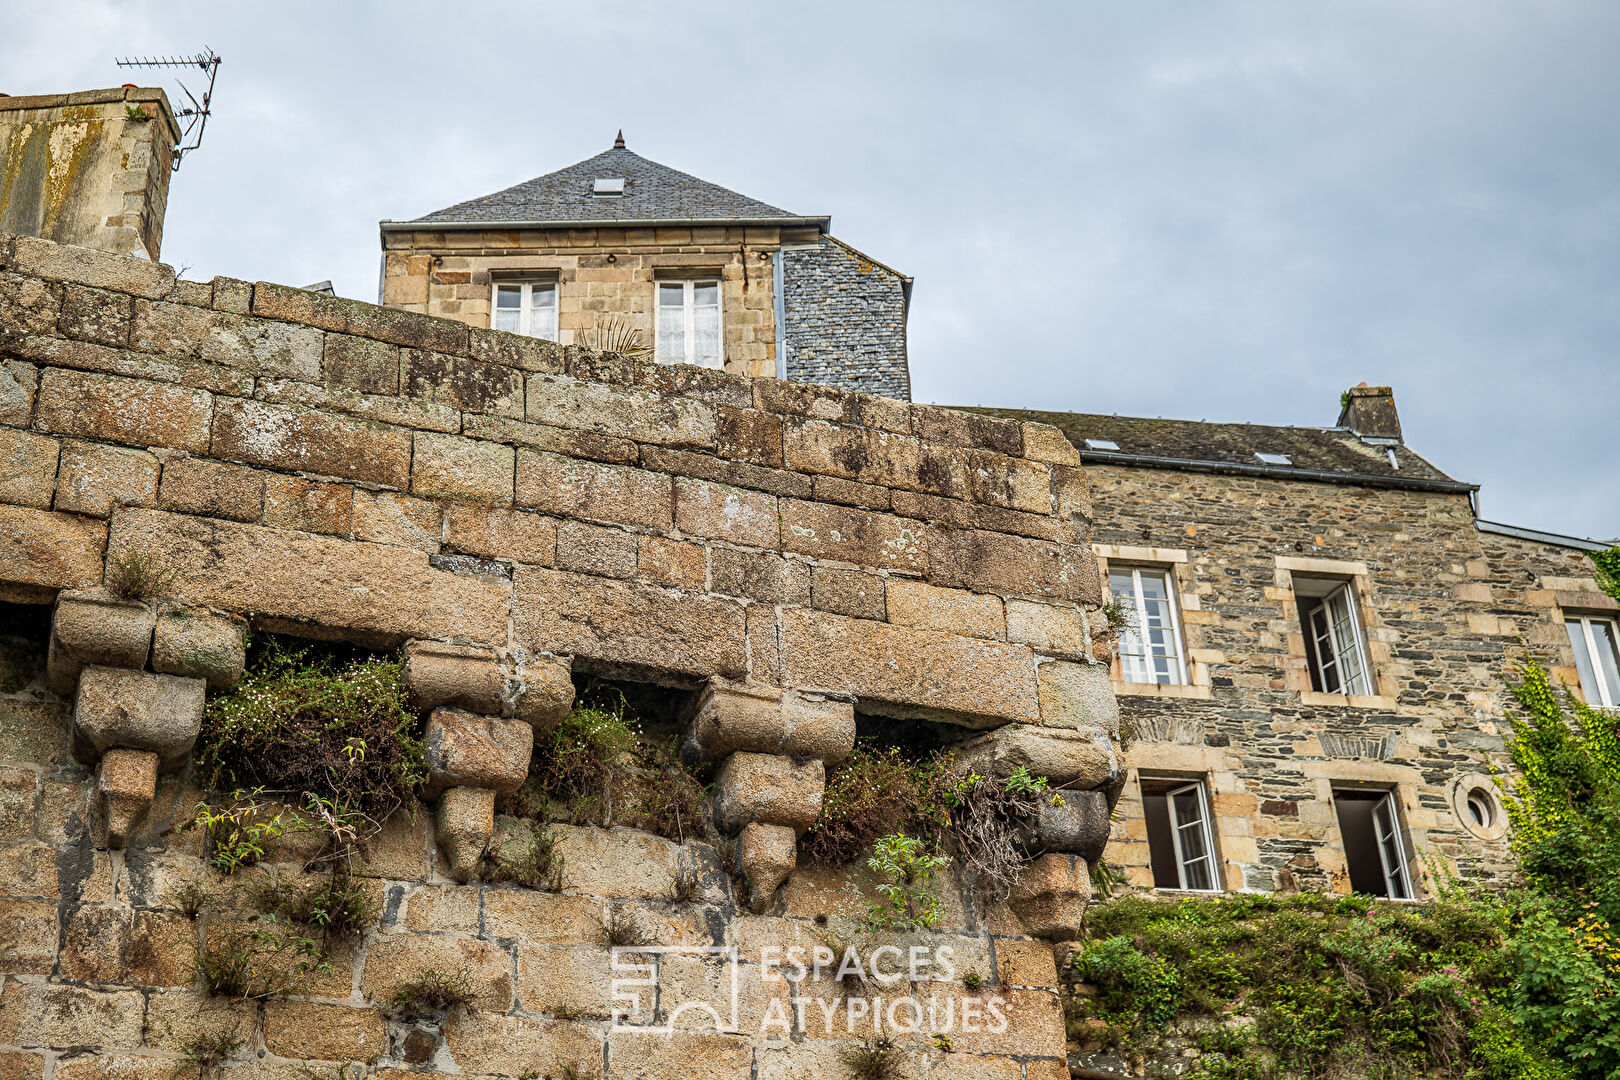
point(1274, 459)
point(1101, 444)
point(609, 187)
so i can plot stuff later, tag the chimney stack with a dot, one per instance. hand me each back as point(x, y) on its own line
point(89, 169)
point(1370, 411)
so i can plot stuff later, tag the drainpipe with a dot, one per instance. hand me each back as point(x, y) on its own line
point(780, 306)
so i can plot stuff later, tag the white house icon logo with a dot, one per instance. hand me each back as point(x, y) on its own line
point(635, 991)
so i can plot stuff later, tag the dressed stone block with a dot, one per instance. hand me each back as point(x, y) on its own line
point(769, 789)
point(467, 750)
point(91, 626)
point(136, 710)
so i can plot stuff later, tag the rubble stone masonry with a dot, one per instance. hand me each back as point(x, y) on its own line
point(1448, 612)
point(511, 511)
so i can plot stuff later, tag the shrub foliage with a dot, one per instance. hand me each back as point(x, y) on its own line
point(597, 766)
point(305, 721)
point(980, 823)
point(1524, 984)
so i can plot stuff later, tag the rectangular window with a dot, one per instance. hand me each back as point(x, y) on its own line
point(1374, 849)
point(689, 323)
point(1335, 647)
point(1150, 644)
point(528, 308)
point(1596, 659)
point(1181, 844)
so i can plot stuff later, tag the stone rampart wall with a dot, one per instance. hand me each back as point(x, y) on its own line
point(511, 512)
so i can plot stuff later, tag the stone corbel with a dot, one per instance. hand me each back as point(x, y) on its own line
point(480, 734)
point(131, 722)
point(773, 746)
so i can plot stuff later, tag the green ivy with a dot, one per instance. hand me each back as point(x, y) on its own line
point(1608, 565)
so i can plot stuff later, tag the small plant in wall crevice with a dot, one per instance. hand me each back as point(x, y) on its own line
point(135, 575)
point(908, 871)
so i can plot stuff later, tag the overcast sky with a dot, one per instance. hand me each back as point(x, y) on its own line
point(1214, 210)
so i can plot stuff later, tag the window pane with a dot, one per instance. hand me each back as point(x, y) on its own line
point(671, 295)
point(1351, 661)
point(1607, 668)
point(543, 296)
point(1389, 843)
point(508, 296)
point(706, 349)
point(1132, 653)
point(672, 335)
point(1188, 806)
point(1327, 660)
point(1148, 646)
point(706, 294)
point(543, 323)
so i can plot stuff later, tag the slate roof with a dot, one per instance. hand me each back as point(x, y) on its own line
point(1320, 454)
point(652, 192)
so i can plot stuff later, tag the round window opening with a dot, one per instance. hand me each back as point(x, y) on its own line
point(1478, 808)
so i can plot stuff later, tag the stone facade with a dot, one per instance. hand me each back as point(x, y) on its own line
point(795, 302)
point(600, 273)
point(90, 168)
point(510, 511)
point(822, 283)
point(1448, 610)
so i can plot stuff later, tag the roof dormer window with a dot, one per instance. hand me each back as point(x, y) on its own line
point(608, 187)
point(1273, 459)
point(1101, 444)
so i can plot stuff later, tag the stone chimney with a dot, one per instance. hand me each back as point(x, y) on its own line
point(89, 169)
point(1370, 410)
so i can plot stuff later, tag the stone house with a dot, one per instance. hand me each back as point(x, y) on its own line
point(619, 246)
point(1319, 628)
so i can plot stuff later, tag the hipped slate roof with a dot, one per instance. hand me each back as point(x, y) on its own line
point(652, 192)
point(1320, 454)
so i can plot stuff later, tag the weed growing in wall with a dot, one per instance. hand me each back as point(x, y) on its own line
point(979, 822)
point(136, 576)
point(306, 722)
point(907, 873)
point(432, 993)
point(597, 766)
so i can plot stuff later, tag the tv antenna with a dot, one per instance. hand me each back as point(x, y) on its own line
point(193, 118)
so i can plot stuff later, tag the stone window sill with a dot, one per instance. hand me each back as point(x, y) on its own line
point(1347, 701)
point(1136, 689)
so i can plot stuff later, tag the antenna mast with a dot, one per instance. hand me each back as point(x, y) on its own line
point(194, 118)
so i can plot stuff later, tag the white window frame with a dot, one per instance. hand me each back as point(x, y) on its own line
point(1387, 832)
point(1332, 634)
point(1201, 824)
point(1139, 668)
point(1598, 695)
point(689, 313)
point(526, 307)
point(1390, 840)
